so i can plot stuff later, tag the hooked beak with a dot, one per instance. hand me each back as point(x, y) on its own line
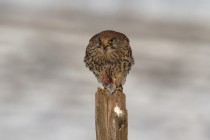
point(105, 43)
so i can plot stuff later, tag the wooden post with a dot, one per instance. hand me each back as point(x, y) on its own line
point(111, 116)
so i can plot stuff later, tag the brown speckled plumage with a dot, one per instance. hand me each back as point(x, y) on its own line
point(109, 57)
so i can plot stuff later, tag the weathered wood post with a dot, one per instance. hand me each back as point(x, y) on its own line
point(111, 116)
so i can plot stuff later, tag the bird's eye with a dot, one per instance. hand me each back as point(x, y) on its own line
point(99, 41)
point(112, 41)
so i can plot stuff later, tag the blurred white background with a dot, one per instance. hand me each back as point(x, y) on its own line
point(46, 93)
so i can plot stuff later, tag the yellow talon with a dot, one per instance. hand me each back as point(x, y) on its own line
point(101, 89)
point(119, 89)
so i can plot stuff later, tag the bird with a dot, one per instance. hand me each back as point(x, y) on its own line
point(109, 56)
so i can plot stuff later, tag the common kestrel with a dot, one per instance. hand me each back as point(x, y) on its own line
point(109, 57)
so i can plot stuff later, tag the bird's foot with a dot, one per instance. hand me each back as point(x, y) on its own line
point(120, 89)
point(101, 89)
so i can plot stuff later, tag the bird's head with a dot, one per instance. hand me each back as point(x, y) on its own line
point(109, 41)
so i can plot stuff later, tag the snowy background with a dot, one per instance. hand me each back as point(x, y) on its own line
point(46, 93)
